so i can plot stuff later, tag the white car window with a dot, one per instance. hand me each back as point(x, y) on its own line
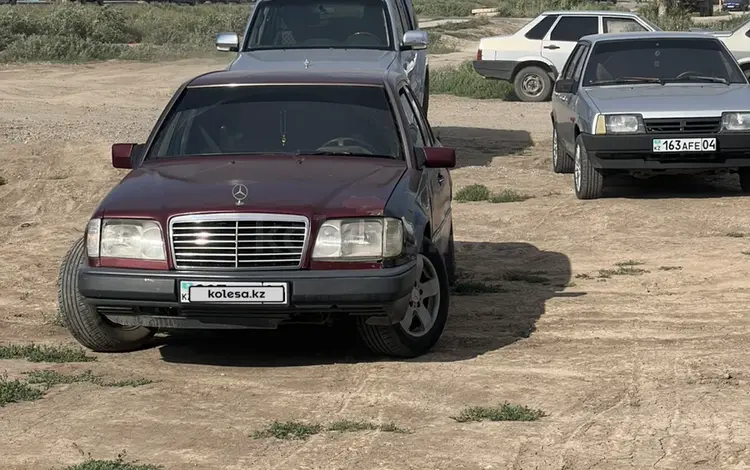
point(573, 28)
point(621, 25)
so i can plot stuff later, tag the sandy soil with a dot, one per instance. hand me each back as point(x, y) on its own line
point(633, 371)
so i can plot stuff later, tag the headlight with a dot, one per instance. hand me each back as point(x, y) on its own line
point(380, 237)
point(619, 124)
point(125, 238)
point(735, 121)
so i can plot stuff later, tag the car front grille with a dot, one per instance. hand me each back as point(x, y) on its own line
point(682, 126)
point(238, 241)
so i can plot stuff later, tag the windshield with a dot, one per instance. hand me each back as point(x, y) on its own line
point(301, 24)
point(661, 61)
point(280, 119)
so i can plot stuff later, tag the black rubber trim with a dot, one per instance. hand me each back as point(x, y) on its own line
point(497, 69)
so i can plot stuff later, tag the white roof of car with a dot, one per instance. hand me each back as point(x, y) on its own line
point(649, 35)
point(589, 13)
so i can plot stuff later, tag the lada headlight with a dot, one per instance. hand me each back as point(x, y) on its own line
point(619, 124)
point(735, 121)
point(125, 238)
point(366, 238)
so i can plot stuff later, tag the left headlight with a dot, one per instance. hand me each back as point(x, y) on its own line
point(735, 121)
point(125, 238)
point(619, 124)
point(366, 238)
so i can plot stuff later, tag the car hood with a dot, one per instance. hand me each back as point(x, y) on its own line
point(294, 59)
point(671, 100)
point(310, 186)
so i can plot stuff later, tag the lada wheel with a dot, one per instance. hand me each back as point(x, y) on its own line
point(588, 181)
point(84, 323)
point(561, 163)
point(425, 315)
point(532, 84)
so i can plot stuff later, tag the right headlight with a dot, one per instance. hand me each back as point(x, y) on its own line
point(362, 238)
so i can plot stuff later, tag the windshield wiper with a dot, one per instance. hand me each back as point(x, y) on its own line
point(347, 154)
point(700, 78)
point(625, 80)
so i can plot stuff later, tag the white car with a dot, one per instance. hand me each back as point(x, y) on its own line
point(738, 43)
point(531, 58)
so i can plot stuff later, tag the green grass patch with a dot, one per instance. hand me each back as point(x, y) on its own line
point(16, 391)
point(346, 425)
point(44, 353)
point(476, 288)
point(630, 262)
point(670, 268)
point(472, 193)
point(50, 378)
point(117, 464)
point(504, 412)
point(735, 234)
point(509, 195)
point(297, 430)
point(465, 81)
point(621, 271)
point(525, 276)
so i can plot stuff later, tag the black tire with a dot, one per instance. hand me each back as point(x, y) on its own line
point(450, 261)
point(745, 179)
point(542, 79)
point(561, 162)
point(426, 97)
point(84, 323)
point(392, 340)
point(587, 180)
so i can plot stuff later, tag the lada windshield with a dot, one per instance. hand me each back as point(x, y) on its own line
point(354, 121)
point(661, 61)
point(305, 24)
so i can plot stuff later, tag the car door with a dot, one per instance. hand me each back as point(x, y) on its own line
point(613, 24)
point(563, 104)
point(562, 38)
point(413, 62)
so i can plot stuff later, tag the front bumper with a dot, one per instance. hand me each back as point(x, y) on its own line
point(635, 152)
point(151, 298)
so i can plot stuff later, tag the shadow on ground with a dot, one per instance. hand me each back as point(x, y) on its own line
point(478, 322)
point(477, 147)
point(673, 186)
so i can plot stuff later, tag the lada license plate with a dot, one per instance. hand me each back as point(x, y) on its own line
point(685, 145)
point(259, 293)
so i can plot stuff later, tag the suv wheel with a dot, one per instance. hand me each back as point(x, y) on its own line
point(425, 315)
point(561, 162)
point(532, 84)
point(588, 181)
point(84, 323)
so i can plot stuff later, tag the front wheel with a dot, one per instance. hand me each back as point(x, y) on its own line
point(532, 84)
point(82, 320)
point(588, 181)
point(425, 315)
point(561, 163)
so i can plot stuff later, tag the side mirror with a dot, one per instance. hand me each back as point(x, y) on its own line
point(564, 86)
point(227, 42)
point(414, 40)
point(121, 155)
point(439, 157)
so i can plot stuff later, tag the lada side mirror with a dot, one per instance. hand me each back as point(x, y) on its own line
point(564, 86)
point(227, 42)
point(439, 157)
point(122, 155)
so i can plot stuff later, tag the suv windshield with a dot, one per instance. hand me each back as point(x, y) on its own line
point(280, 119)
point(661, 61)
point(301, 24)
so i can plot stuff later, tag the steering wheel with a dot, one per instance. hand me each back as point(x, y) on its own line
point(363, 33)
point(689, 72)
point(352, 142)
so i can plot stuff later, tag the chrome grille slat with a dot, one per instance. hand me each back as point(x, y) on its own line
point(238, 241)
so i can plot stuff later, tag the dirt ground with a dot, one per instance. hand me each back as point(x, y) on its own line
point(632, 371)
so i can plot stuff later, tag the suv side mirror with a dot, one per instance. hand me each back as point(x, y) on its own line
point(414, 40)
point(564, 86)
point(227, 42)
point(439, 157)
point(123, 154)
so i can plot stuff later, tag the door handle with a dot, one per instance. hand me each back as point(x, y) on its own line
point(552, 46)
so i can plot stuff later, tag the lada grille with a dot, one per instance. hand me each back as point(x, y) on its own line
point(238, 241)
point(682, 126)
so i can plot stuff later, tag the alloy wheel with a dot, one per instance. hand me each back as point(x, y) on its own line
point(424, 303)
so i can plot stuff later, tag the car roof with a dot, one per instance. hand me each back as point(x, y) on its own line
point(589, 13)
point(298, 77)
point(594, 38)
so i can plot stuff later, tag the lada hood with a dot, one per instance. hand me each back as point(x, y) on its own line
point(317, 59)
point(311, 186)
point(671, 100)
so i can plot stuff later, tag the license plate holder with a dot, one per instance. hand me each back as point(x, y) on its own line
point(234, 293)
point(691, 145)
